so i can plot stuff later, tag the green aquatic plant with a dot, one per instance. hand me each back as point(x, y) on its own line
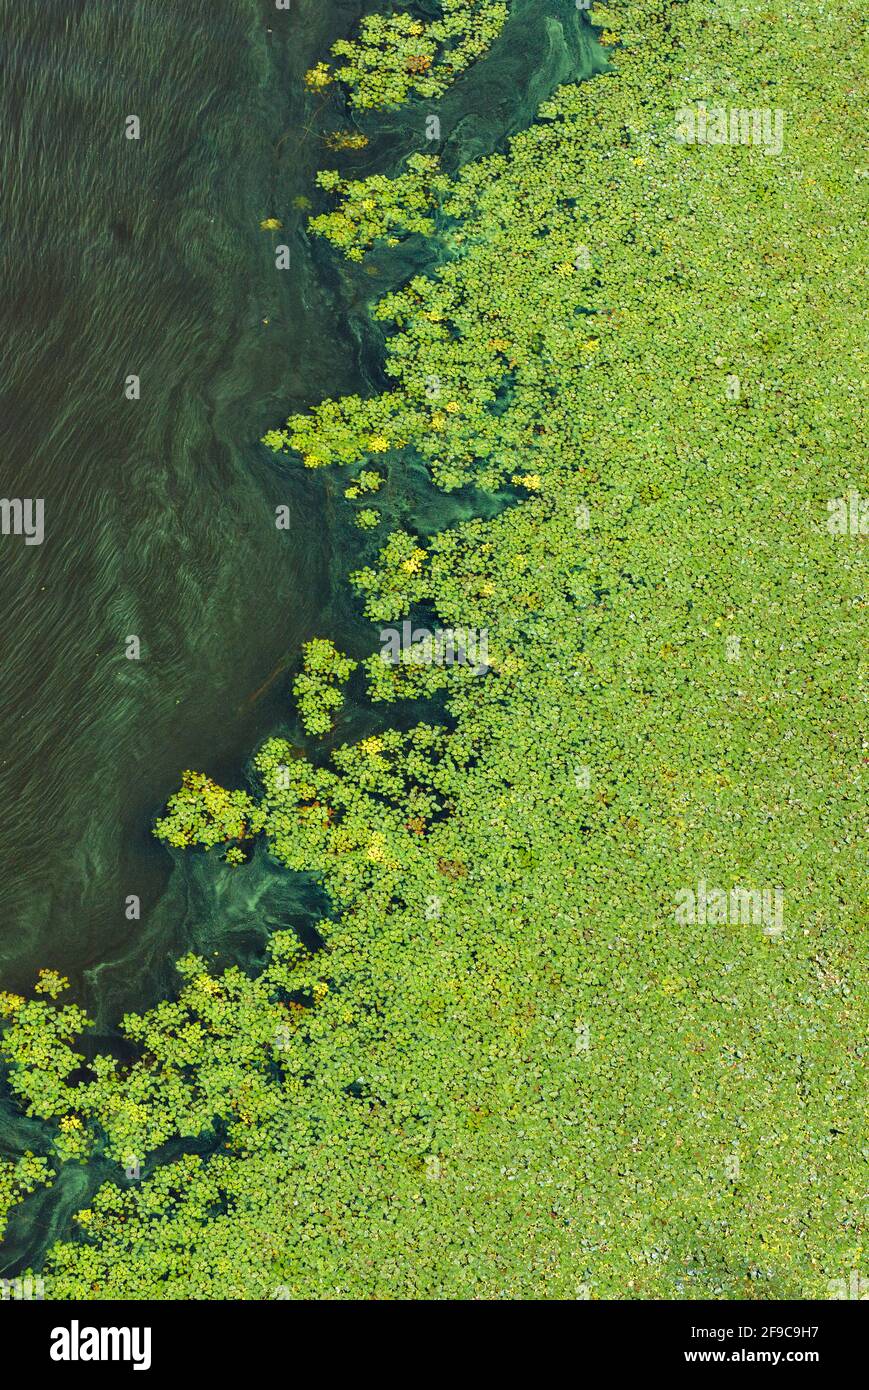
point(396, 56)
point(37, 1046)
point(366, 481)
point(318, 698)
point(204, 813)
point(18, 1178)
point(377, 208)
point(345, 140)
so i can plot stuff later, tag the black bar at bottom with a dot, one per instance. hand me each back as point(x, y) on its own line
point(65, 1339)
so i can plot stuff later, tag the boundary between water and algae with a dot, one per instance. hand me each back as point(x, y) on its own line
point(507, 1069)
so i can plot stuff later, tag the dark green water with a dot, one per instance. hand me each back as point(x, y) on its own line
point(146, 257)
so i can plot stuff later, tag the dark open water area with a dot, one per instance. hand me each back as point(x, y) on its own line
point(145, 257)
